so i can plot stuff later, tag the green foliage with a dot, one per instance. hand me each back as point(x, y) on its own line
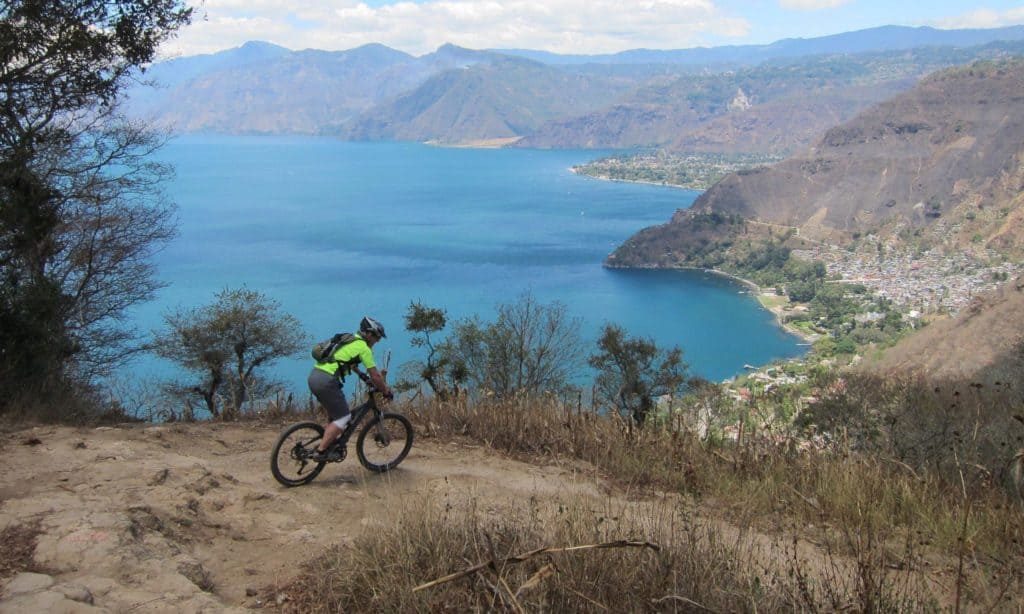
point(80, 207)
point(444, 376)
point(226, 344)
point(832, 307)
point(633, 372)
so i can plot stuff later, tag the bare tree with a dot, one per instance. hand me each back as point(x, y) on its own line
point(226, 344)
point(531, 347)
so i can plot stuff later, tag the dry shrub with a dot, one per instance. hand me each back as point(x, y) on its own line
point(862, 484)
point(686, 566)
point(545, 428)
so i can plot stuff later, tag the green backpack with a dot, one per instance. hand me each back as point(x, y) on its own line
point(324, 350)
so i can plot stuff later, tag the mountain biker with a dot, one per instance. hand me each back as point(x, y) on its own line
point(327, 378)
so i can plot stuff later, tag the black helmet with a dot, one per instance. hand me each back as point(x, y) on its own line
point(369, 325)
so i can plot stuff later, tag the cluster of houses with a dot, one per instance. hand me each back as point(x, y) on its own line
point(926, 283)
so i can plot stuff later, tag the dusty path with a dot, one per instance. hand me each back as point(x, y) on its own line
point(187, 518)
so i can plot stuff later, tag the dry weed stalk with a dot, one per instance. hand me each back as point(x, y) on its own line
point(526, 556)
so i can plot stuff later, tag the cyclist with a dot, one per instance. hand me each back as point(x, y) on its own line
point(327, 378)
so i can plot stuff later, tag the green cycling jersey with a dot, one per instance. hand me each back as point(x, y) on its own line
point(357, 351)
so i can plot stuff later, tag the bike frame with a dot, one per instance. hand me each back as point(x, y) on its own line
point(358, 413)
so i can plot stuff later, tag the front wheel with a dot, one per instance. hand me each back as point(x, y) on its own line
point(384, 442)
point(290, 461)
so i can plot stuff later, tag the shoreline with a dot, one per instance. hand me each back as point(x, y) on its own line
point(660, 184)
point(778, 312)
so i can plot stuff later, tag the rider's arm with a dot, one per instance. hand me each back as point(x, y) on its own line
point(378, 381)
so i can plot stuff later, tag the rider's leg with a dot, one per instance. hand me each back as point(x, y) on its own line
point(332, 431)
point(327, 389)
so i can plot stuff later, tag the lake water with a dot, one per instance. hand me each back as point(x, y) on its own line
point(335, 230)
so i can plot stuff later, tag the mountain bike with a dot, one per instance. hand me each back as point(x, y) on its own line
point(381, 445)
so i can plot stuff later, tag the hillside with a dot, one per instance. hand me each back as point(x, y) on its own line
point(502, 98)
point(939, 166)
point(264, 89)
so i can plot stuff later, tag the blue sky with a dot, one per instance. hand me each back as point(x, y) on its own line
point(562, 26)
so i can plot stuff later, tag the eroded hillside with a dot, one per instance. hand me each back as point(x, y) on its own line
point(941, 165)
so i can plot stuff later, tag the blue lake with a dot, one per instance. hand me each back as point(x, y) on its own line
point(334, 230)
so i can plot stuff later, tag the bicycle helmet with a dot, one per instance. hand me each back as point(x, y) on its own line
point(369, 325)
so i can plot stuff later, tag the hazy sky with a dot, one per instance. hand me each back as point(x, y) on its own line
point(562, 26)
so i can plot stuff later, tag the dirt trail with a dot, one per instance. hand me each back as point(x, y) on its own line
point(187, 518)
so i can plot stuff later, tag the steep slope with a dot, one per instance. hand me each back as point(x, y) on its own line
point(952, 146)
point(942, 164)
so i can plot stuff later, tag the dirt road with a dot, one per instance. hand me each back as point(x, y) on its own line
point(187, 518)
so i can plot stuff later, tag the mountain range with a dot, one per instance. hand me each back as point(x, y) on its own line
point(759, 98)
point(940, 165)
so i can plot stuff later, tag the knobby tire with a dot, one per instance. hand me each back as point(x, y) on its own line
point(384, 442)
point(287, 463)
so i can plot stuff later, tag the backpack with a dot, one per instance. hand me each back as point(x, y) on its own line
point(324, 350)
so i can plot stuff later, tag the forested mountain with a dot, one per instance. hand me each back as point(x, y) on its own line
point(769, 98)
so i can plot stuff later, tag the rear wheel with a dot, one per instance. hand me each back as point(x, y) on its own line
point(384, 442)
point(290, 461)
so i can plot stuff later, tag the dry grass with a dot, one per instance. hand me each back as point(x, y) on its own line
point(567, 558)
point(867, 531)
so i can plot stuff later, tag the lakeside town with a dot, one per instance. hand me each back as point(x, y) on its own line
point(932, 282)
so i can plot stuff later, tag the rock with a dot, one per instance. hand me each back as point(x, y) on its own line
point(76, 592)
point(28, 582)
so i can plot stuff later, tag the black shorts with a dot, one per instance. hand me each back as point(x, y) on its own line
point(328, 390)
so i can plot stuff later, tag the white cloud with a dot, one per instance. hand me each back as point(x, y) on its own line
point(983, 18)
point(563, 26)
point(811, 5)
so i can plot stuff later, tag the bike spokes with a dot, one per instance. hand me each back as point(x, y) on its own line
point(384, 442)
point(290, 461)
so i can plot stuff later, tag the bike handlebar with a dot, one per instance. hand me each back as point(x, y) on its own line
point(369, 382)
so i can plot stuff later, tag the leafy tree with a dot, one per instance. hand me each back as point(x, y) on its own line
point(531, 347)
point(80, 206)
point(440, 371)
point(633, 372)
point(801, 291)
point(226, 343)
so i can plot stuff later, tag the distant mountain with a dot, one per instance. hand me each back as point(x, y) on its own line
point(260, 88)
point(754, 99)
point(502, 98)
point(942, 163)
point(885, 38)
point(776, 107)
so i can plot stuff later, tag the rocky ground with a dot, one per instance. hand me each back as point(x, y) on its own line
point(187, 517)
